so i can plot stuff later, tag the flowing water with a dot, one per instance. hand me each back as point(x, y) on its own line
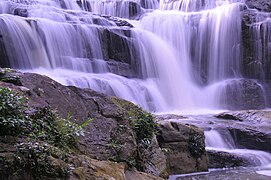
point(185, 53)
point(180, 56)
point(220, 138)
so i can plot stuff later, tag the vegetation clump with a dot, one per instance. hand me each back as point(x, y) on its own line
point(141, 121)
point(196, 145)
point(46, 138)
point(9, 76)
point(144, 127)
point(43, 124)
point(13, 120)
point(38, 158)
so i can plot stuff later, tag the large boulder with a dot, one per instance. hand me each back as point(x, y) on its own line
point(182, 143)
point(109, 135)
point(117, 130)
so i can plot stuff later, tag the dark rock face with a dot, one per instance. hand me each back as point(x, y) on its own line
point(117, 21)
point(182, 143)
point(251, 139)
point(243, 94)
point(122, 69)
point(254, 132)
point(83, 104)
point(117, 45)
point(134, 10)
point(256, 30)
point(218, 159)
point(3, 55)
point(261, 5)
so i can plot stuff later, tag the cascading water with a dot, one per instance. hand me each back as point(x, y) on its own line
point(216, 142)
point(181, 55)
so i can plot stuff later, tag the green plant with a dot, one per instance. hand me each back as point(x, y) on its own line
point(12, 117)
point(42, 124)
point(47, 126)
point(196, 145)
point(37, 158)
point(9, 76)
point(144, 127)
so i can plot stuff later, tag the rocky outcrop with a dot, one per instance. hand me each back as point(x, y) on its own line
point(254, 133)
point(182, 143)
point(218, 159)
point(243, 94)
point(255, 40)
point(117, 45)
point(261, 5)
point(117, 130)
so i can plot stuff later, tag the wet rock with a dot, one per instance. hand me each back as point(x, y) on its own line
point(251, 139)
point(261, 5)
point(109, 134)
point(134, 10)
point(243, 94)
point(117, 46)
point(3, 54)
point(83, 104)
point(254, 132)
point(256, 49)
point(122, 69)
point(118, 21)
point(218, 159)
point(20, 12)
point(228, 116)
point(182, 143)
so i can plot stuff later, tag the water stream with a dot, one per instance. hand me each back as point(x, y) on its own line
point(185, 54)
point(221, 141)
point(180, 56)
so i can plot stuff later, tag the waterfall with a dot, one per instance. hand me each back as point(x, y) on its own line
point(215, 141)
point(180, 55)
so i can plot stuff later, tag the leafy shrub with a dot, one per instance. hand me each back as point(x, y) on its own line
point(12, 118)
point(43, 124)
point(47, 126)
point(196, 145)
point(37, 158)
point(144, 127)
